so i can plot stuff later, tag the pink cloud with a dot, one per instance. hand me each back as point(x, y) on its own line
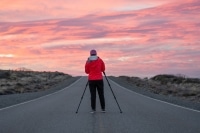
point(162, 39)
point(21, 10)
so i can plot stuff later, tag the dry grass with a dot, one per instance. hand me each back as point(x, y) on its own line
point(28, 81)
point(171, 85)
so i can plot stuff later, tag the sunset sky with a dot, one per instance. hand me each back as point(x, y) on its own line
point(134, 37)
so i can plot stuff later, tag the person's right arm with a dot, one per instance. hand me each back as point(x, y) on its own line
point(87, 67)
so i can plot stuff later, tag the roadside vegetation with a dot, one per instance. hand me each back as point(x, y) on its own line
point(169, 85)
point(20, 81)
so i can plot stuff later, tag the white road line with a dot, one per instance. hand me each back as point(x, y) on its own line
point(40, 97)
point(155, 99)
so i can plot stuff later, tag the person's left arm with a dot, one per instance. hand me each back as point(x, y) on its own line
point(103, 66)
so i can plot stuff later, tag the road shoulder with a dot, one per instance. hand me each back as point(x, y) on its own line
point(12, 99)
point(169, 99)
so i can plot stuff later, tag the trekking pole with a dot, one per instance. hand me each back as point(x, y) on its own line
point(113, 92)
point(81, 98)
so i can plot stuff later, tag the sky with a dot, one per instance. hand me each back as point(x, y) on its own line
point(133, 37)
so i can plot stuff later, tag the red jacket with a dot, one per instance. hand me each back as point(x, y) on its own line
point(95, 68)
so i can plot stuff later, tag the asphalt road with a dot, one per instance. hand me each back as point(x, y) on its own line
point(55, 113)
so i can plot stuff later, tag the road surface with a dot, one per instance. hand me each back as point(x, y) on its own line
point(55, 113)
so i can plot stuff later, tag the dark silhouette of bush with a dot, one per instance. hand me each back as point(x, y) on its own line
point(4, 74)
point(164, 79)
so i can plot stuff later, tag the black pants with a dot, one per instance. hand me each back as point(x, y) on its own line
point(99, 86)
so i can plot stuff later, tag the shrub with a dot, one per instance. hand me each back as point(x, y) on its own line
point(4, 75)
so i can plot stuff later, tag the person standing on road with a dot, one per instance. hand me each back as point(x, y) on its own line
point(94, 67)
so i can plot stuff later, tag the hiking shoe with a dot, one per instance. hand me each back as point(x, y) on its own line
point(103, 111)
point(93, 111)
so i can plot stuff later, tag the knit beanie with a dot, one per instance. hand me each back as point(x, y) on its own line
point(93, 52)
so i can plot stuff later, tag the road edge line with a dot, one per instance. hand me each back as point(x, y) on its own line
point(41, 96)
point(187, 108)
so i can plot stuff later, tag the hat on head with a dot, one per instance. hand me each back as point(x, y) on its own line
point(93, 52)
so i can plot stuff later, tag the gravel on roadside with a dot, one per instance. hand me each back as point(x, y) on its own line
point(169, 99)
point(12, 99)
